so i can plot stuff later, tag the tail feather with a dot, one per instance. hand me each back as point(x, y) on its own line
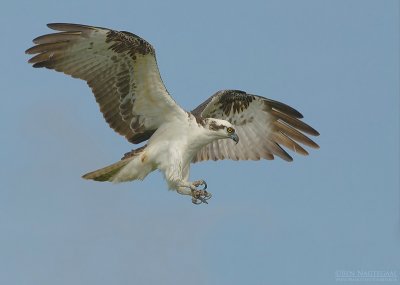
point(108, 172)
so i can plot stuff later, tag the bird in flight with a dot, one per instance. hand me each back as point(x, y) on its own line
point(121, 69)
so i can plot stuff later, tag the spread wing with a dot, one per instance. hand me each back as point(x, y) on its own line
point(263, 126)
point(120, 68)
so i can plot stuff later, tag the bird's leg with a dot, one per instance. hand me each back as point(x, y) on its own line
point(198, 195)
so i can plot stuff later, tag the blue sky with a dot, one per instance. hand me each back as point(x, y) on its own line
point(269, 222)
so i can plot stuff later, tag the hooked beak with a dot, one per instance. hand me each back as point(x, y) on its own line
point(235, 137)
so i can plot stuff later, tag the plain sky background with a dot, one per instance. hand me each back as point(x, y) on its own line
point(269, 222)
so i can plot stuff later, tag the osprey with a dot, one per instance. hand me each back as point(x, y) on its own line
point(121, 69)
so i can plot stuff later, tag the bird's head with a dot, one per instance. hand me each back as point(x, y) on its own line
point(222, 129)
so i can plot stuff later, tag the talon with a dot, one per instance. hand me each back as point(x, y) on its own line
point(203, 200)
point(200, 182)
point(196, 201)
point(200, 196)
point(196, 194)
point(207, 195)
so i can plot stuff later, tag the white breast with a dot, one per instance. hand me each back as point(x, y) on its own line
point(173, 146)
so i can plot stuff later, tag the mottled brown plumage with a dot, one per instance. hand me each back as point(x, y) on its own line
point(262, 125)
point(107, 61)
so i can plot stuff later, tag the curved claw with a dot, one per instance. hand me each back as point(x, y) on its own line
point(196, 201)
point(200, 196)
point(199, 201)
point(207, 195)
point(200, 182)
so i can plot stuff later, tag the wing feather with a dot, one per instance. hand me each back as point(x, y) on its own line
point(284, 140)
point(119, 67)
point(295, 134)
point(294, 122)
point(263, 126)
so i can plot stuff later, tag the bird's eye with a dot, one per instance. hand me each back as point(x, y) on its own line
point(230, 130)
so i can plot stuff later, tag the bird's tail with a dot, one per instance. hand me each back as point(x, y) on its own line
point(109, 172)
